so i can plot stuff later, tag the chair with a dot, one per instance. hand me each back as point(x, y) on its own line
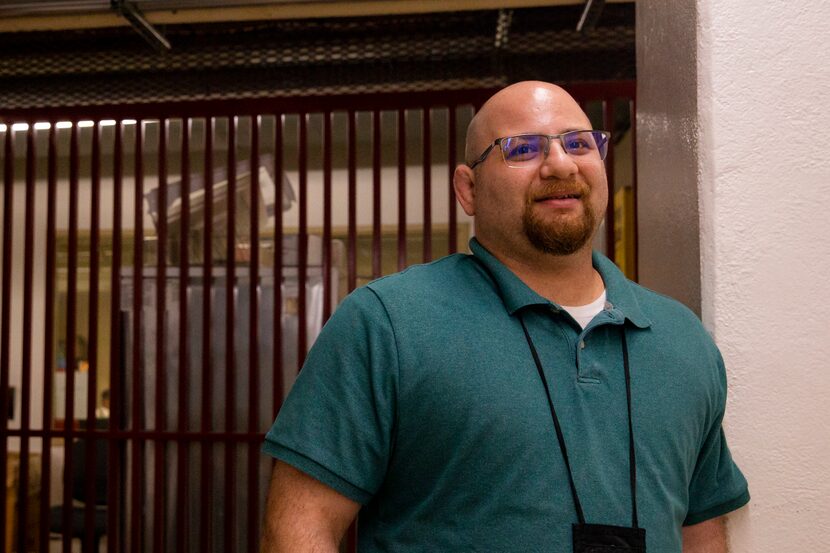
point(79, 470)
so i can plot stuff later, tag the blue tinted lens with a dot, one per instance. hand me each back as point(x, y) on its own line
point(579, 142)
point(586, 142)
point(601, 140)
point(517, 149)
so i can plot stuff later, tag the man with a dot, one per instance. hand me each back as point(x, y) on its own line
point(424, 403)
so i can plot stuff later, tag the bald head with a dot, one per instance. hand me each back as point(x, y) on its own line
point(538, 100)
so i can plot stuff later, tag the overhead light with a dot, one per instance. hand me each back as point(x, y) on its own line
point(45, 125)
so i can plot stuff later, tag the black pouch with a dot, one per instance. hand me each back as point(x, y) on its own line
point(599, 538)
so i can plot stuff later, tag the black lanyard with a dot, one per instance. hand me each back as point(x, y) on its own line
point(631, 458)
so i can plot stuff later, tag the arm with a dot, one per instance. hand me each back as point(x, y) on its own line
point(707, 537)
point(303, 515)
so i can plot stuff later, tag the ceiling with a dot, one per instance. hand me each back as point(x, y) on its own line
point(19, 15)
point(314, 56)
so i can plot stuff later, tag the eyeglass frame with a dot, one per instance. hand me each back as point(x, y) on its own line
point(550, 137)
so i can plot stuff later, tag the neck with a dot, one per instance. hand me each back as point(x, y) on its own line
point(562, 279)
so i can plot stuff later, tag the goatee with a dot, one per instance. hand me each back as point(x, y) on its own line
point(559, 235)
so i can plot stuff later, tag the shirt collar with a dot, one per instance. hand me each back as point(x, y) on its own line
point(516, 294)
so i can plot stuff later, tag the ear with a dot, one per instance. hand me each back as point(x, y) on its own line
point(463, 181)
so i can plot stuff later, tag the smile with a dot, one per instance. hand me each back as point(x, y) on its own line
point(575, 196)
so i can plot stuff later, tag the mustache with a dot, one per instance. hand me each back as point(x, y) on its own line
point(556, 188)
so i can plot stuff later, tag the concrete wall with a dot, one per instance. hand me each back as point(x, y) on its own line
point(762, 179)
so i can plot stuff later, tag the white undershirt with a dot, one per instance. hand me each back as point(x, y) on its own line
point(583, 314)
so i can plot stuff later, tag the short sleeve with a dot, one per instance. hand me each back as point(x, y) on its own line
point(717, 486)
point(337, 422)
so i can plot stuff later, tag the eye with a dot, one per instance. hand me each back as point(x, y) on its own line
point(521, 148)
point(579, 143)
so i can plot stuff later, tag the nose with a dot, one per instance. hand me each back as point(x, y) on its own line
point(558, 163)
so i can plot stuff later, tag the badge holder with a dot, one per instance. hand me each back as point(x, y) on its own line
point(599, 538)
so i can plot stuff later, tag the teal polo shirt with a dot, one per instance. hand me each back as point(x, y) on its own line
point(421, 401)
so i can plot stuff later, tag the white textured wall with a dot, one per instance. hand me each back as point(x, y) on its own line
point(764, 105)
point(763, 183)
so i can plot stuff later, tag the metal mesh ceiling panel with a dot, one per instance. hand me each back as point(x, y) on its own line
point(320, 56)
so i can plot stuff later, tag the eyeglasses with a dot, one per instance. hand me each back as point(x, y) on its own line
point(529, 150)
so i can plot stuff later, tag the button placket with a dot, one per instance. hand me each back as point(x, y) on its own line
point(589, 352)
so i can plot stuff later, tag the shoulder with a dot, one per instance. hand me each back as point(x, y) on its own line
point(403, 299)
point(674, 326)
point(661, 314)
point(661, 308)
point(677, 352)
point(447, 276)
point(665, 310)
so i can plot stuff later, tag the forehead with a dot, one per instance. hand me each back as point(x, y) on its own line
point(538, 110)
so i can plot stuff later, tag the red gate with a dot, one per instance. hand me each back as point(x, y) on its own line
point(165, 268)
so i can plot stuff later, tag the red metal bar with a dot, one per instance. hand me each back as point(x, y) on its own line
point(116, 401)
point(8, 186)
point(352, 258)
point(230, 362)
point(632, 109)
point(206, 468)
point(352, 171)
point(49, 336)
point(5, 317)
point(376, 189)
point(252, 106)
point(302, 246)
point(401, 189)
point(451, 162)
point(299, 104)
point(161, 385)
point(136, 464)
point(326, 216)
point(152, 434)
point(26, 359)
point(427, 165)
point(184, 368)
point(608, 123)
point(253, 342)
point(71, 336)
point(92, 335)
point(278, 310)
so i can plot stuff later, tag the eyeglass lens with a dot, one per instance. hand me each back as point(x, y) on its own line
point(524, 150)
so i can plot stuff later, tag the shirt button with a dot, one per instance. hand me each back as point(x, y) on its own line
point(582, 344)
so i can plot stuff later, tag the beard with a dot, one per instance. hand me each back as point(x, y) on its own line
point(559, 235)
